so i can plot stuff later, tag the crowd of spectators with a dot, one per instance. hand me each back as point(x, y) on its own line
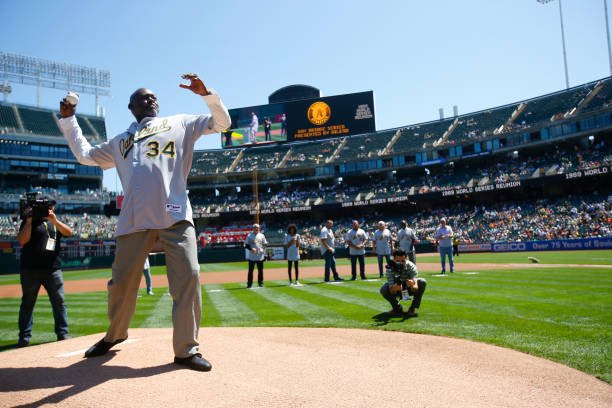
point(84, 226)
point(564, 218)
point(89, 195)
point(436, 179)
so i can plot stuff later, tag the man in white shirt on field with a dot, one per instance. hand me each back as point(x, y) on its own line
point(328, 250)
point(356, 239)
point(255, 252)
point(444, 236)
point(382, 242)
point(407, 239)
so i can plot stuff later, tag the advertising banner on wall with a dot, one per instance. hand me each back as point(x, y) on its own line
point(554, 245)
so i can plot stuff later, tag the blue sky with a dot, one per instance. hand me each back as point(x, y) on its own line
point(417, 56)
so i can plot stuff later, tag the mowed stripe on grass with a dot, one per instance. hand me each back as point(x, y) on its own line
point(563, 314)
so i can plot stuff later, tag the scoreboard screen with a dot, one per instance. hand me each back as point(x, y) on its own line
point(307, 119)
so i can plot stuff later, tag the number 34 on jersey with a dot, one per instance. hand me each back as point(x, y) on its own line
point(155, 149)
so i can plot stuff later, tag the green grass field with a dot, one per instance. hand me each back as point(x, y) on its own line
point(559, 313)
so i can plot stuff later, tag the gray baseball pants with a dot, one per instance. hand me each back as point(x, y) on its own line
point(183, 270)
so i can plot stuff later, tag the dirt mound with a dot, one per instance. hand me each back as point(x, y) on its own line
point(294, 367)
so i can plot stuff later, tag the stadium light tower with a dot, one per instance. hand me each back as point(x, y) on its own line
point(608, 34)
point(562, 39)
point(20, 69)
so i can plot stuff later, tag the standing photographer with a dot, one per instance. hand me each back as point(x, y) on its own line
point(40, 235)
point(402, 277)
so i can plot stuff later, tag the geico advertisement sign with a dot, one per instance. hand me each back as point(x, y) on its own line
point(510, 247)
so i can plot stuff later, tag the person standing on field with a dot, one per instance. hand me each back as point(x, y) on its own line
point(41, 264)
point(147, 274)
point(444, 235)
point(153, 158)
point(382, 242)
point(255, 253)
point(356, 239)
point(293, 242)
point(328, 250)
point(407, 240)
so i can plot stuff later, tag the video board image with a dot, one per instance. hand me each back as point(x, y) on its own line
point(306, 119)
point(256, 125)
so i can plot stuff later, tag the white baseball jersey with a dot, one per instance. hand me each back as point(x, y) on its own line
point(254, 123)
point(257, 241)
point(444, 242)
point(406, 237)
point(356, 237)
point(382, 240)
point(153, 159)
point(293, 252)
point(328, 236)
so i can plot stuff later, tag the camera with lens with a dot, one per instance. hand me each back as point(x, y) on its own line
point(40, 205)
point(396, 268)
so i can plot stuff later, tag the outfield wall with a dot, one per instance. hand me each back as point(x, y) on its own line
point(550, 245)
point(90, 255)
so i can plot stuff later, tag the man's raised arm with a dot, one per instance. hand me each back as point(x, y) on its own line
point(100, 155)
point(218, 121)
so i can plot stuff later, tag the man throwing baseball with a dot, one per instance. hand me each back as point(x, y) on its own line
point(153, 157)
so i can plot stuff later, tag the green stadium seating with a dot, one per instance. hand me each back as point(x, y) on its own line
point(98, 124)
point(554, 106)
point(7, 117)
point(85, 128)
point(39, 121)
point(364, 146)
point(263, 157)
point(308, 154)
point(412, 138)
point(603, 97)
point(212, 161)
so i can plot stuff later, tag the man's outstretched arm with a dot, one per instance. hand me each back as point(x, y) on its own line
point(218, 121)
point(100, 155)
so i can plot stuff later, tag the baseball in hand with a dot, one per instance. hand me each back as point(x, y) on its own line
point(72, 98)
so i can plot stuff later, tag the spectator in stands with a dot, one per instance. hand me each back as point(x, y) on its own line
point(293, 242)
point(407, 240)
point(444, 236)
point(254, 245)
point(356, 240)
point(382, 242)
point(410, 284)
point(267, 128)
point(253, 126)
point(147, 274)
point(41, 264)
point(328, 250)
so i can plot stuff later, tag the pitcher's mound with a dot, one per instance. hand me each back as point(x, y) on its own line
point(293, 367)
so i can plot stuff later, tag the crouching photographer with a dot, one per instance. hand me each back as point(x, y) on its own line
point(402, 282)
point(40, 235)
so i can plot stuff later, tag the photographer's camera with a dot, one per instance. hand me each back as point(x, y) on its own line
point(40, 206)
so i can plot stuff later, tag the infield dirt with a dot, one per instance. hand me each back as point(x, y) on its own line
point(294, 367)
